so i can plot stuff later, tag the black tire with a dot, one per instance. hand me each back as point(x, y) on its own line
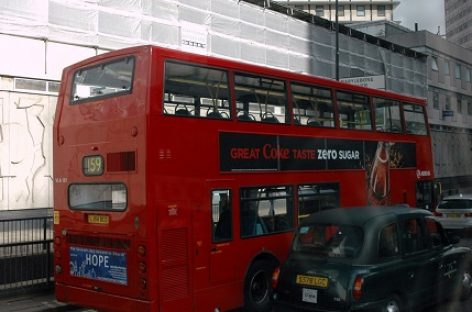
point(257, 287)
point(393, 304)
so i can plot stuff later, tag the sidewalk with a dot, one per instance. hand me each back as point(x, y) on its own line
point(35, 301)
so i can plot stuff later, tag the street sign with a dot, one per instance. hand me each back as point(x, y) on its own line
point(375, 82)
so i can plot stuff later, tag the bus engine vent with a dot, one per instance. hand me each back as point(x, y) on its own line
point(122, 161)
point(174, 264)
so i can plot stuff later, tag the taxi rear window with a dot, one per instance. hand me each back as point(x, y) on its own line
point(98, 196)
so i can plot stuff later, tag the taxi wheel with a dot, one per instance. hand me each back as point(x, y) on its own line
point(392, 304)
point(466, 284)
point(257, 287)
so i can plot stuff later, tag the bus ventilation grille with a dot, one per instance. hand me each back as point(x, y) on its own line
point(174, 264)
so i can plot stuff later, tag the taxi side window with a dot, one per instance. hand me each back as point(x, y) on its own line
point(388, 243)
point(436, 235)
point(221, 215)
point(413, 236)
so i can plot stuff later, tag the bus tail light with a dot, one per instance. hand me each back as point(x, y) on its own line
point(142, 250)
point(142, 267)
point(275, 277)
point(357, 288)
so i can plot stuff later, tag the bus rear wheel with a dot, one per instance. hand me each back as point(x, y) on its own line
point(257, 287)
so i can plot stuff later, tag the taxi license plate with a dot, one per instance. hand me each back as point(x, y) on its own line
point(310, 295)
point(98, 219)
point(316, 281)
point(453, 215)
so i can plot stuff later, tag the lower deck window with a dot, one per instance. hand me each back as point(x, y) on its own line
point(266, 210)
point(317, 197)
point(98, 196)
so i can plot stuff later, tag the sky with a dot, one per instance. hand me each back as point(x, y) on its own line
point(429, 14)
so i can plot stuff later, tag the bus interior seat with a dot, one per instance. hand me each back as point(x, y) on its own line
point(313, 122)
point(245, 116)
point(269, 117)
point(182, 112)
point(214, 114)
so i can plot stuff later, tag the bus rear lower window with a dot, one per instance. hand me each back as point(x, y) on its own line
point(103, 80)
point(108, 197)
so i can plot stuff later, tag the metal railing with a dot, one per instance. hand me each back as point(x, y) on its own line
point(26, 250)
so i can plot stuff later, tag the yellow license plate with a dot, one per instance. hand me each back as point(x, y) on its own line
point(312, 281)
point(98, 219)
point(453, 215)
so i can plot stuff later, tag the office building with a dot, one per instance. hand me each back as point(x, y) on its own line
point(459, 22)
point(449, 79)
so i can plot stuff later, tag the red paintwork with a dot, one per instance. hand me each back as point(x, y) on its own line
point(177, 165)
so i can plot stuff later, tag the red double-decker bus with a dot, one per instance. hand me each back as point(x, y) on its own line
point(179, 177)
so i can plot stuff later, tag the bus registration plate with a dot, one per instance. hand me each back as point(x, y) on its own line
point(103, 265)
point(98, 219)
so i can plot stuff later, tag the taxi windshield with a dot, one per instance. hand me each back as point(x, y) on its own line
point(329, 240)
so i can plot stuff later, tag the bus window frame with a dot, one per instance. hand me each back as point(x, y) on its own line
point(322, 184)
point(368, 104)
point(85, 210)
point(398, 104)
point(229, 209)
point(290, 202)
point(228, 73)
point(105, 96)
point(405, 121)
point(294, 106)
point(270, 116)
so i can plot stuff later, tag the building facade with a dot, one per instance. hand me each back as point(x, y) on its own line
point(459, 22)
point(349, 11)
point(449, 74)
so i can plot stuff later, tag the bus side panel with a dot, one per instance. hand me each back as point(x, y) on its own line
point(175, 256)
point(403, 186)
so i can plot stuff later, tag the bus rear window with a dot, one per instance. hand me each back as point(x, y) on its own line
point(414, 119)
point(108, 79)
point(98, 196)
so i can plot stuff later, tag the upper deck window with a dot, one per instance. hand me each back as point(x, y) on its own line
point(260, 99)
point(387, 115)
point(354, 111)
point(199, 91)
point(312, 106)
point(414, 119)
point(103, 80)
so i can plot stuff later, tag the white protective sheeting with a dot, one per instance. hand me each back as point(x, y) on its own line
point(226, 28)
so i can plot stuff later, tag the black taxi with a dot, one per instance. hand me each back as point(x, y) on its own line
point(371, 258)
